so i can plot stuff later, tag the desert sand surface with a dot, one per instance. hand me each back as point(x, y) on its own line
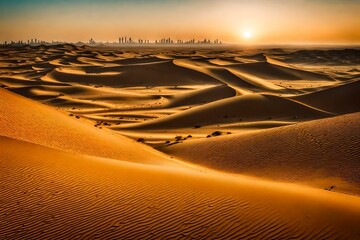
point(179, 143)
point(319, 153)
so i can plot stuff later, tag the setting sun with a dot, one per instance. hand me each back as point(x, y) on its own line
point(247, 34)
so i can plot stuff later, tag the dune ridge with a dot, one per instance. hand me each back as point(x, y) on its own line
point(74, 196)
point(152, 74)
point(337, 99)
point(202, 96)
point(244, 108)
point(321, 153)
point(54, 129)
point(266, 70)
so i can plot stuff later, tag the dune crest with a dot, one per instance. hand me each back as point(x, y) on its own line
point(249, 107)
point(320, 153)
point(55, 129)
point(68, 196)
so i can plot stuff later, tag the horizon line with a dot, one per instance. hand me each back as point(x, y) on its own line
point(224, 44)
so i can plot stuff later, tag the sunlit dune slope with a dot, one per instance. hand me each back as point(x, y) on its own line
point(321, 152)
point(227, 76)
point(330, 57)
point(50, 194)
point(33, 122)
point(152, 74)
point(201, 96)
point(270, 71)
point(339, 99)
point(251, 107)
point(82, 96)
point(20, 82)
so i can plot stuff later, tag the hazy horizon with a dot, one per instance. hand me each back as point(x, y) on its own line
point(244, 22)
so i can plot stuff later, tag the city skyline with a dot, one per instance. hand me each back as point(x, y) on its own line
point(120, 40)
point(244, 22)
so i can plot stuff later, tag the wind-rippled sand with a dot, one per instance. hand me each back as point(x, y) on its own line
point(179, 143)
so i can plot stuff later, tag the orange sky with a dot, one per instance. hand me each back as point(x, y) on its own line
point(267, 21)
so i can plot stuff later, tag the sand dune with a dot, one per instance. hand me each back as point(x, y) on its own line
point(269, 71)
point(129, 146)
point(80, 96)
point(130, 61)
point(333, 57)
point(226, 76)
point(202, 96)
point(70, 103)
point(251, 57)
point(37, 92)
point(338, 99)
point(21, 82)
point(57, 130)
point(250, 107)
point(57, 195)
point(223, 61)
point(321, 153)
point(155, 74)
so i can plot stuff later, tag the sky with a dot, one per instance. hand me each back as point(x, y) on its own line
point(232, 21)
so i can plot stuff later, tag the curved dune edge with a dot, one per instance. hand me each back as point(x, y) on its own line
point(270, 71)
point(78, 96)
point(33, 122)
point(57, 195)
point(201, 96)
point(321, 153)
point(227, 76)
point(250, 107)
point(163, 73)
point(337, 99)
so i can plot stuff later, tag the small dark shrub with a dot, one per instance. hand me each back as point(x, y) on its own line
point(216, 133)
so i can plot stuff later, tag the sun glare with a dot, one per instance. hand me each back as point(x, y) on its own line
point(247, 34)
